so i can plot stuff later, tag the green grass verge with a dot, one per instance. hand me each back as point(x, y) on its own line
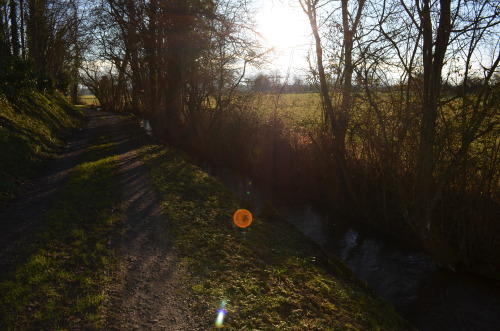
point(31, 131)
point(269, 275)
point(62, 285)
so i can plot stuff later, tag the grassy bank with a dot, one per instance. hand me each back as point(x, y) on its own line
point(31, 131)
point(282, 141)
point(61, 286)
point(268, 276)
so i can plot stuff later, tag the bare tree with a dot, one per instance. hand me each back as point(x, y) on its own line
point(433, 48)
point(50, 31)
point(337, 112)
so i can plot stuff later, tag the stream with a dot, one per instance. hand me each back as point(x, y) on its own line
point(428, 296)
point(431, 298)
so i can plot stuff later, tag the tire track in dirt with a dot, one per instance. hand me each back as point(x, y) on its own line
point(148, 295)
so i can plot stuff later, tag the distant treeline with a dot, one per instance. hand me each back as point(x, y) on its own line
point(276, 83)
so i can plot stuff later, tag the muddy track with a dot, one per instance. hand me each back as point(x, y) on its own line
point(147, 293)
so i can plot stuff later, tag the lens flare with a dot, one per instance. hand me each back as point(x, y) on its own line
point(221, 313)
point(242, 218)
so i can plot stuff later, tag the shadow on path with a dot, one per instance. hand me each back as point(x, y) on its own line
point(148, 294)
point(20, 222)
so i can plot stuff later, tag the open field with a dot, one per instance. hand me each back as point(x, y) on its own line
point(88, 100)
point(301, 110)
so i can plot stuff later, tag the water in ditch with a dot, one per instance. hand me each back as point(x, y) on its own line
point(428, 296)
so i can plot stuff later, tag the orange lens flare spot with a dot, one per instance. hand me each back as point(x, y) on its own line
point(242, 218)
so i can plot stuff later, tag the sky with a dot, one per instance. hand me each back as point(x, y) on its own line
point(285, 27)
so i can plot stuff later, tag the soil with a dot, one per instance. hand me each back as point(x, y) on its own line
point(148, 292)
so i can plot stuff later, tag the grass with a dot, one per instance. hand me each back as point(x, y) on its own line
point(62, 285)
point(88, 100)
point(269, 275)
point(31, 131)
point(300, 110)
point(295, 111)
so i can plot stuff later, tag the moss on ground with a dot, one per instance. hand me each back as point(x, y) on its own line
point(269, 275)
point(31, 131)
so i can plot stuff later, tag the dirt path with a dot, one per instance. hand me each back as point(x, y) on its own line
point(147, 294)
point(21, 221)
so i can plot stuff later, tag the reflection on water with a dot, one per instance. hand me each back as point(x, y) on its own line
point(428, 296)
point(387, 269)
point(144, 123)
point(348, 243)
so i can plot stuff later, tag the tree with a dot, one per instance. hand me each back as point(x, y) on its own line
point(51, 29)
point(416, 128)
point(435, 44)
point(14, 27)
point(337, 114)
point(172, 55)
point(261, 83)
point(436, 49)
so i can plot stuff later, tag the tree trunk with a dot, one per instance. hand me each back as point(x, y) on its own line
point(132, 42)
point(175, 76)
point(337, 119)
point(152, 46)
point(14, 28)
point(22, 13)
point(433, 59)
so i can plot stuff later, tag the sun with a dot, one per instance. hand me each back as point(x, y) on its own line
point(283, 26)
